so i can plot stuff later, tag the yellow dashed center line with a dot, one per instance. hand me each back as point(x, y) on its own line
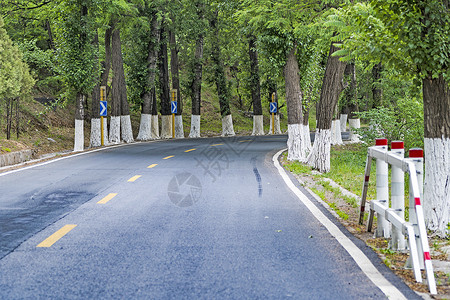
point(167, 157)
point(134, 178)
point(244, 141)
point(107, 198)
point(152, 166)
point(48, 242)
point(190, 150)
point(216, 145)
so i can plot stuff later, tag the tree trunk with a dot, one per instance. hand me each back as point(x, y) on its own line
point(436, 98)
point(163, 67)
point(116, 55)
point(145, 127)
point(79, 122)
point(95, 138)
point(196, 89)
point(119, 73)
point(51, 43)
point(377, 92)
point(155, 118)
point(258, 128)
point(17, 118)
point(174, 70)
point(295, 143)
point(220, 79)
point(332, 86)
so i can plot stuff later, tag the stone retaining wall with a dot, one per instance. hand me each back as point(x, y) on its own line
point(15, 157)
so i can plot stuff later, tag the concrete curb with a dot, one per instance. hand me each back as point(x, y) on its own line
point(14, 158)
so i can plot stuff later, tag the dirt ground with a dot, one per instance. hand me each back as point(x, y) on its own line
point(395, 260)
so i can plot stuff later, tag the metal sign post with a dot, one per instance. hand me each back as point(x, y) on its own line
point(103, 111)
point(173, 108)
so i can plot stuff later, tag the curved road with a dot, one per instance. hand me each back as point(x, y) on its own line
point(181, 219)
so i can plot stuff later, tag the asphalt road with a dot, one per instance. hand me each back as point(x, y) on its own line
point(183, 219)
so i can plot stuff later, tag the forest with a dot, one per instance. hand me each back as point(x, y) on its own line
point(382, 63)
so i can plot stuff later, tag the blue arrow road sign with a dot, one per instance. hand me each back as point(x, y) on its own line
point(173, 107)
point(273, 107)
point(103, 108)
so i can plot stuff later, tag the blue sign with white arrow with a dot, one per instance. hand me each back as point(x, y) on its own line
point(273, 107)
point(103, 108)
point(174, 107)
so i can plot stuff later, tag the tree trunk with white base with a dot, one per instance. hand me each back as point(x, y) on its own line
point(306, 139)
point(277, 124)
point(343, 120)
point(195, 127)
point(79, 122)
point(179, 129)
point(258, 128)
point(336, 136)
point(155, 127)
point(436, 98)
point(114, 130)
point(95, 133)
point(227, 126)
point(296, 149)
point(166, 127)
point(319, 158)
point(295, 144)
point(127, 131)
point(196, 83)
point(145, 128)
point(354, 124)
point(332, 86)
point(437, 185)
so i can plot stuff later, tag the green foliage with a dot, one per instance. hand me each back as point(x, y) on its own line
point(76, 54)
point(15, 79)
point(402, 121)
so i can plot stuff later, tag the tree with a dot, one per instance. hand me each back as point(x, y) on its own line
point(412, 36)
point(15, 79)
point(219, 75)
point(332, 86)
point(77, 55)
point(196, 67)
point(258, 128)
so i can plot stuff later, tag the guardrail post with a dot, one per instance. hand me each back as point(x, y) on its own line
point(398, 196)
point(382, 189)
point(416, 155)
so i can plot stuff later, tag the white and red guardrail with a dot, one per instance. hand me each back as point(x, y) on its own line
point(415, 229)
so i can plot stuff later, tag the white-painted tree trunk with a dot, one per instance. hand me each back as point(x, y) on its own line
point(295, 144)
point(343, 120)
point(436, 202)
point(195, 126)
point(79, 136)
point(319, 158)
point(227, 126)
point(95, 138)
point(166, 127)
point(155, 127)
point(179, 130)
point(145, 128)
point(277, 125)
point(127, 131)
point(258, 126)
point(114, 130)
point(354, 123)
point(338, 134)
point(306, 139)
point(105, 131)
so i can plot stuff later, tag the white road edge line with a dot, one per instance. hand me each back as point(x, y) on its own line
point(58, 159)
point(358, 256)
